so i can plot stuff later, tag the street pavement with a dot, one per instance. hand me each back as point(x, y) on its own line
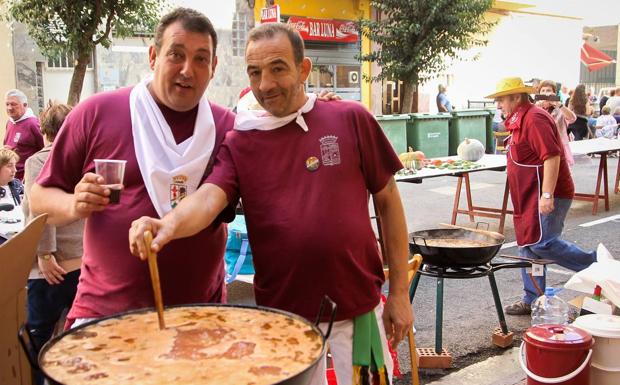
point(469, 311)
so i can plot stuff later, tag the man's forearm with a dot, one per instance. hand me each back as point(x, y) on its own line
point(57, 203)
point(197, 211)
point(551, 169)
point(394, 231)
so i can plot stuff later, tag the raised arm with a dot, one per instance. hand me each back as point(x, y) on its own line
point(62, 207)
point(193, 214)
point(398, 316)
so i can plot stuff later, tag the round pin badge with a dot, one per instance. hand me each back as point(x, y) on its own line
point(312, 163)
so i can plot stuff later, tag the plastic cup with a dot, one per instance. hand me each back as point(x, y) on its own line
point(112, 171)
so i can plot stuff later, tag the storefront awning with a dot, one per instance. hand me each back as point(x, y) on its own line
point(594, 59)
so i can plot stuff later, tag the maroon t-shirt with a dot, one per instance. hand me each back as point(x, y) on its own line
point(112, 280)
point(310, 231)
point(23, 137)
point(536, 140)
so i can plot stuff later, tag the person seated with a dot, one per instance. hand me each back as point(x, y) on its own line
point(617, 115)
point(11, 190)
point(606, 125)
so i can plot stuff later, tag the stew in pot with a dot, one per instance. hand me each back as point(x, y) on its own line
point(201, 345)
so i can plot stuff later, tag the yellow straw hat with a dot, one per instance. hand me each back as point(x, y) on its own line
point(509, 86)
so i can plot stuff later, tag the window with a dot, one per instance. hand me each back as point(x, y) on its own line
point(68, 60)
point(241, 26)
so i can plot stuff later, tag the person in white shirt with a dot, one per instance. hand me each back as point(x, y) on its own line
point(614, 101)
point(11, 189)
point(606, 125)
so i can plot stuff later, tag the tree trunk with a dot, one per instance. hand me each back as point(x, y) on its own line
point(409, 94)
point(77, 79)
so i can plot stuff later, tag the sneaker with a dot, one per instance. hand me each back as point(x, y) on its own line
point(518, 308)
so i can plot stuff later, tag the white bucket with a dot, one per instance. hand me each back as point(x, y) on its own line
point(605, 329)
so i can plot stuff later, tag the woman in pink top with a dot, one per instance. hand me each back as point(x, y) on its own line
point(561, 114)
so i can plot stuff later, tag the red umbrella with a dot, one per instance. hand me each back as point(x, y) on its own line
point(594, 59)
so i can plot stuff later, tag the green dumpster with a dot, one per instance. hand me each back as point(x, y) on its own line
point(490, 145)
point(467, 124)
point(395, 128)
point(429, 133)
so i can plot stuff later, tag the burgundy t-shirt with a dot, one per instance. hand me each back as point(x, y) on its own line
point(310, 231)
point(25, 139)
point(537, 140)
point(112, 280)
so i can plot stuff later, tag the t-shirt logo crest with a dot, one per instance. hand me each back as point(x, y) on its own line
point(178, 189)
point(17, 136)
point(330, 152)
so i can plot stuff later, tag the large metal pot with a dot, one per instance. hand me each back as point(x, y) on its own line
point(424, 243)
point(300, 378)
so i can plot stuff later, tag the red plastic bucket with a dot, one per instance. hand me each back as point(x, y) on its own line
point(556, 354)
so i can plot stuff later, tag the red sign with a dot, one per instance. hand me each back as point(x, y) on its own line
point(270, 14)
point(325, 30)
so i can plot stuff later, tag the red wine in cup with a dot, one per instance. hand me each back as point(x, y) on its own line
point(115, 193)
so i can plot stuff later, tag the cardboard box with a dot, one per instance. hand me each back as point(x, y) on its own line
point(588, 305)
point(16, 258)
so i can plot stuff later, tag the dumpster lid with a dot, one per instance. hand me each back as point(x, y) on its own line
point(392, 117)
point(426, 115)
point(601, 325)
point(557, 337)
point(472, 112)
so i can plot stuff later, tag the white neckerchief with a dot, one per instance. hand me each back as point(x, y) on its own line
point(26, 115)
point(170, 171)
point(247, 120)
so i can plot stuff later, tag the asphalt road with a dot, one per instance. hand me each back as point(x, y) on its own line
point(469, 311)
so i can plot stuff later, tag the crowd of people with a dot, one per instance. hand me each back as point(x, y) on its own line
point(281, 160)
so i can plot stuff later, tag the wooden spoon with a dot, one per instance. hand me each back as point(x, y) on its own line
point(152, 259)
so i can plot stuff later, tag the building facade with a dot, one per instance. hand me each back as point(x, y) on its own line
point(125, 63)
point(331, 39)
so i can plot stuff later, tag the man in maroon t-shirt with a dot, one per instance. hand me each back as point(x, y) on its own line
point(23, 134)
point(305, 172)
point(540, 186)
point(110, 125)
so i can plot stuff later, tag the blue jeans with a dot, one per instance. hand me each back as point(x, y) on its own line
point(551, 246)
point(45, 305)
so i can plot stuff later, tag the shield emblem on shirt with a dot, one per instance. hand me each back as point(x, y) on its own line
point(178, 189)
point(330, 152)
point(17, 136)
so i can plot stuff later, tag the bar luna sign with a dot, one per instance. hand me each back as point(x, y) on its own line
point(270, 14)
point(325, 30)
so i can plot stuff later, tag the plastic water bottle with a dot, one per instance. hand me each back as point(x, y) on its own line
point(549, 309)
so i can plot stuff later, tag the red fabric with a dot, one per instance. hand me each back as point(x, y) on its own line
point(244, 91)
point(310, 231)
point(393, 352)
point(537, 140)
point(25, 139)
point(112, 280)
point(594, 59)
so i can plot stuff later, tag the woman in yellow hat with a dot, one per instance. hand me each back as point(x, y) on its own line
point(541, 187)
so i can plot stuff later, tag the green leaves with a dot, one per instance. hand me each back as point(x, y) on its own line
point(78, 25)
point(417, 36)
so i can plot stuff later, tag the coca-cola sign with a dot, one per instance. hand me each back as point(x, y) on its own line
point(325, 30)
